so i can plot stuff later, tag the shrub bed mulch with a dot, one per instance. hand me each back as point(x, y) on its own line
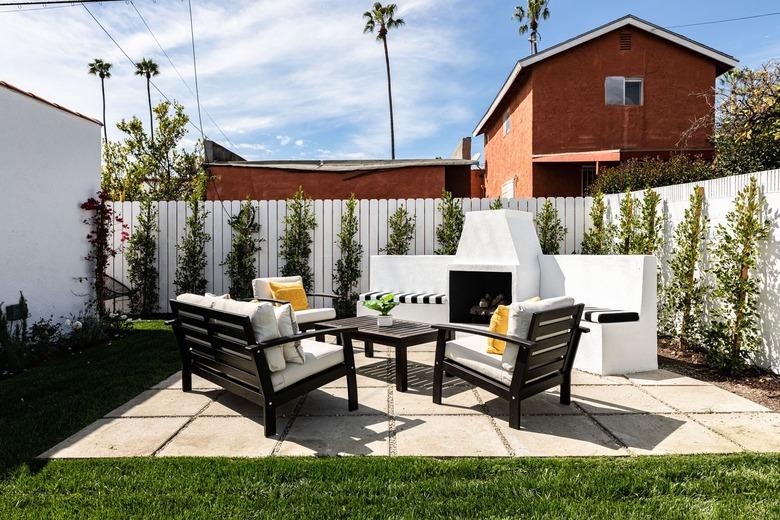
point(758, 385)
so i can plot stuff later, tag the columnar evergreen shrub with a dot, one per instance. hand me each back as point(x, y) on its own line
point(496, 204)
point(402, 226)
point(734, 335)
point(549, 228)
point(627, 225)
point(449, 230)
point(295, 246)
point(191, 268)
point(347, 272)
point(648, 240)
point(598, 240)
point(141, 258)
point(687, 290)
point(240, 261)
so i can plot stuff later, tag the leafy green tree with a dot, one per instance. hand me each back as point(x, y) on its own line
point(496, 204)
point(551, 231)
point(141, 258)
point(648, 240)
point(240, 261)
point(296, 243)
point(402, 226)
point(191, 268)
point(148, 68)
point(452, 219)
point(734, 336)
point(651, 172)
point(686, 291)
point(347, 273)
point(529, 17)
point(380, 20)
point(598, 240)
point(746, 133)
point(102, 69)
point(162, 169)
point(627, 225)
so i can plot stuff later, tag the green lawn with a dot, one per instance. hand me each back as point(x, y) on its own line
point(49, 403)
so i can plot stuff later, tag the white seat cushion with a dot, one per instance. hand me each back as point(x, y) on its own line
point(470, 351)
point(319, 357)
point(311, 315)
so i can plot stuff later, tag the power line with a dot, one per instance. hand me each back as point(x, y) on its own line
point(195, 67)
point(44, 8)
point(56, 2)
point(724, 20)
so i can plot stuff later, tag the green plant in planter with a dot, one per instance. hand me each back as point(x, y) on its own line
point(452, 219)
point(383, 305)
point(599, 239)
point(142, 260)
point(496, 204)
point(346, 275)
point(549, 228)
point(245, 244)
point(402, 226)
point(627, 236)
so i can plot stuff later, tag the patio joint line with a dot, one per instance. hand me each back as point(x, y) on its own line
point(604, 428)
point(493, 424)
point(693, 419)
point(156, 452)
point(288, 426)
point(392, 441)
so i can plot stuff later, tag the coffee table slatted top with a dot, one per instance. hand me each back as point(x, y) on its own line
point(399, 330)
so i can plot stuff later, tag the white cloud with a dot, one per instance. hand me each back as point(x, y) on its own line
point(266, 68)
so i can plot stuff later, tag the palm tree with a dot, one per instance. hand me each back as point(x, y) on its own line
point(148, 68)
point(529, 19)
point(381, 19)
point(102, 69)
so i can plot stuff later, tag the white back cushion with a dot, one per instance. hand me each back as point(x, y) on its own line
point(520, 315)
point(261, 289)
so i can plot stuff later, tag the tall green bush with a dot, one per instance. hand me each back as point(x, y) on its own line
point(648, 240)
point(734, 334)
point(549, 228)
point(402, 226)
point(651, 172)
point(496, 204)
point(627, 225)
point(347, 272)
point(686, 291)
point(295, 246)
point(452, 219)
point(191, 268)
point(240, 261)
point(598, 240)
point(141, 258)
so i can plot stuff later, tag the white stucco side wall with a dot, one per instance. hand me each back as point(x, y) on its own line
point(50, 164)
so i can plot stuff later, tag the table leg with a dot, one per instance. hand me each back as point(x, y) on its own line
point(401, 370)
point(369, 348)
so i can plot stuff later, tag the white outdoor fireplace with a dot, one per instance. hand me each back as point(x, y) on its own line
point(498, 255)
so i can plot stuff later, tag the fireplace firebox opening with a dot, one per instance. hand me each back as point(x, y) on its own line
point(474, 295)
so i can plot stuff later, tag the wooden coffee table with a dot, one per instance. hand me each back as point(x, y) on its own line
point(400, 335)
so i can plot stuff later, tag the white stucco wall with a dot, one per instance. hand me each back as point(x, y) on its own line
point(49, 164)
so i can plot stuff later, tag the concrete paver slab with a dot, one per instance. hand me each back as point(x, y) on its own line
point(344, 435)
point(546, 403)
point(457, 399)
point(333, 401)
point(222, 437)
point(559, 436)
point(663, 378)
point(611, 399)
point(448, 436)
point(752, 431)
point(703, 399)
point(163, 403)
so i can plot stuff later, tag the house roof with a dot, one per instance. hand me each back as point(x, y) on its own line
point(345, 165)
point(726, 61)
point(51, 104)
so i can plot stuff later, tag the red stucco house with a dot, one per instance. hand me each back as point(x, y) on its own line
point(625, 89)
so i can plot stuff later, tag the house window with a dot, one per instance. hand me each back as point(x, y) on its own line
point(619, 90)
point(588, 176)
point(508, 189)
point(507, 122)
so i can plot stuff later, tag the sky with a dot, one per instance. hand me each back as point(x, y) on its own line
point(298, 79)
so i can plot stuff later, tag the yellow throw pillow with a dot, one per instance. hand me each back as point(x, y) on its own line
point(292, 292)
point(499, 324)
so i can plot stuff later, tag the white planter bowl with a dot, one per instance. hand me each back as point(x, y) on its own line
point(384, 321)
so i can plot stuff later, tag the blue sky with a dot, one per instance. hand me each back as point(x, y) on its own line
point(297, 79)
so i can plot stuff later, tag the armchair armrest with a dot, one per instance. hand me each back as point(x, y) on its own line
point(484, 332)
point(171, 322)
point(302, 335)
point(326, 295)
point(270, 300)
point(584, 330)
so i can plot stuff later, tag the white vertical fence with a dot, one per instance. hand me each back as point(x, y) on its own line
point(373, 233)
point(373, 214)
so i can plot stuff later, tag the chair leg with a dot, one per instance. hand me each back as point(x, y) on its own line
point(349, 359)
point(186, 379)
point(566, 389)
point(269, 419)
point(514, 412)
point(438, 373)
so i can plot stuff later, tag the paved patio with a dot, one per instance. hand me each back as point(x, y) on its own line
point(654, 413)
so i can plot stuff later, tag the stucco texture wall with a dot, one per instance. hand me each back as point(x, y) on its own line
point(240, 182)
point(50, 165)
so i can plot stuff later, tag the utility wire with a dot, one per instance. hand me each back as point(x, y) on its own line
point(195, 67)
point(56, 2)
point(21, 9)
point(724, 20)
